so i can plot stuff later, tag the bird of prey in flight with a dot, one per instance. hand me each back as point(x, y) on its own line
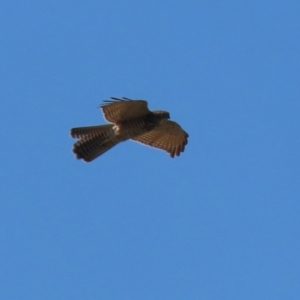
point(130, 119)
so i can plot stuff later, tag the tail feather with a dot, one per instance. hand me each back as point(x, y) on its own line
point(95, 140)
point(80, 132)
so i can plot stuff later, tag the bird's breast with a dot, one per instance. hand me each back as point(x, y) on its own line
point(132, 128)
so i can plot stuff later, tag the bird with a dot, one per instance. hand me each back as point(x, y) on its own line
point(129, 119)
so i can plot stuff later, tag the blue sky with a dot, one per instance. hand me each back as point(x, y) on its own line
point(219, 222)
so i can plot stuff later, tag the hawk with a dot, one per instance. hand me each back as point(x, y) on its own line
point(130, 119)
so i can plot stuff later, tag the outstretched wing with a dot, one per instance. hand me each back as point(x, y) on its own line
point(168, 136)
point(120, 110)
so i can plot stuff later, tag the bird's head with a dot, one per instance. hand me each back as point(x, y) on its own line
point(161, 114)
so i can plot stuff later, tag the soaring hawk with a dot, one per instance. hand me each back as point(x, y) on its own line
point(131, 119)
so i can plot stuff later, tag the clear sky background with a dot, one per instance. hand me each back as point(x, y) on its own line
point(219, 222)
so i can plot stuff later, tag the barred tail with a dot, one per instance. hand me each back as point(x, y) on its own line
point(94, 141)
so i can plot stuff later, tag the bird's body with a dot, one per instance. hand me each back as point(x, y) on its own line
point(131, 119)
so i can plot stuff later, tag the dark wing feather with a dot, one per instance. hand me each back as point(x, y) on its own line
point(168, 136)
point(120, 110)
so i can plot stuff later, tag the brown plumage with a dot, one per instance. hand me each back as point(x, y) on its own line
point(131, 119)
